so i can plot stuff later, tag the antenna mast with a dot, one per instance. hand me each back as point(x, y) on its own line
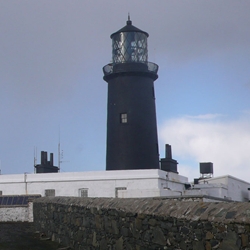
point(59, 151)
point(35, 158)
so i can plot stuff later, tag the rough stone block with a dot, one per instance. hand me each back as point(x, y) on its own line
point(244, 240)
point(125, 231)
point(141, 216)
point(198, 245)
point(209, 236)
point(94, 241)
point(119, 244)
point(230, 242)
point(147, 236)
point(240, 229)
point(184, 230)
point(158, 237)
point(222, 228)
point(230, 214)
point(114, 226)
point(166, 225)
point(152, 222)
point(78, 222)
point(208, 225)
point(215, 244)
point(98, 221)
point(208, 246)
point(138, 224)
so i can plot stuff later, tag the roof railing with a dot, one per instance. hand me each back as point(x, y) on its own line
point(109, 68)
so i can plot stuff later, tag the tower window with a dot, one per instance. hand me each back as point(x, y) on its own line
point(123, 117)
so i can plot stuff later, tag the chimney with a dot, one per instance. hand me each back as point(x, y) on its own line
point(168, 164)
point(168, 151)
point(51, 159)
point(43, 162)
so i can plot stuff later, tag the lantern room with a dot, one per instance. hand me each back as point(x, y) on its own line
point(129, 44)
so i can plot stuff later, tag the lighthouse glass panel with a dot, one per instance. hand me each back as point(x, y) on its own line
point(129, 47)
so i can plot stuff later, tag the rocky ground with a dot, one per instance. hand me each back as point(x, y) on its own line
point(15, 236)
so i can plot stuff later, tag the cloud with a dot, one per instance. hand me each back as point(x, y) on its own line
point(215, 139)
point(205, 117)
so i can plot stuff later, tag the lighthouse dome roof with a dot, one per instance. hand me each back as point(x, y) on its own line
point(129, 28)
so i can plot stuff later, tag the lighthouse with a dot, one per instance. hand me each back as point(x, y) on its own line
point(132, 141)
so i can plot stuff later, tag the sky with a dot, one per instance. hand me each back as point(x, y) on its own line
point(52, 87)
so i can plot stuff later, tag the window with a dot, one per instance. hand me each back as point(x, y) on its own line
point(1, 192)
point(83, 192)
point(50, 192)
point(123, 117)
point(117, 191)
point(129, 47)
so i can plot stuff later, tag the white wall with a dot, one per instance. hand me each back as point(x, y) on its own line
point(8, 214)
point(227, 187)
point(99, 184)
point(238, 188)
point(137, 183)
point(17, 213)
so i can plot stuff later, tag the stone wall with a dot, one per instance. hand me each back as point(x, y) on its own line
point(113, 223)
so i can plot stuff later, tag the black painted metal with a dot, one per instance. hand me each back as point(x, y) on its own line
point(131, 122)
point(168, 164)
point(206, 168)
point(46, 166)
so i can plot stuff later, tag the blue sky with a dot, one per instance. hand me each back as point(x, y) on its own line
point(51, 59)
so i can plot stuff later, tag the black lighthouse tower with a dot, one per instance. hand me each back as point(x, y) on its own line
point(131, 122)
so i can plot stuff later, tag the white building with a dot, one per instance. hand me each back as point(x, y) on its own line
point(123, 184)
point(227, 187)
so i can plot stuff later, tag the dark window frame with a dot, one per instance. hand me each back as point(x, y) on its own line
point(83, 192)
point(50, 193)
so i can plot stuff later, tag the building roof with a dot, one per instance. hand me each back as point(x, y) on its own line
point(129, 28)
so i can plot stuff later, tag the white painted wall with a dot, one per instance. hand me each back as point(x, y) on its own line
point(143, 183)
point(8, 214)
point(227, 187)
point(137, 183)
point(237, 189)
point(17, 213)
point(215, 190)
